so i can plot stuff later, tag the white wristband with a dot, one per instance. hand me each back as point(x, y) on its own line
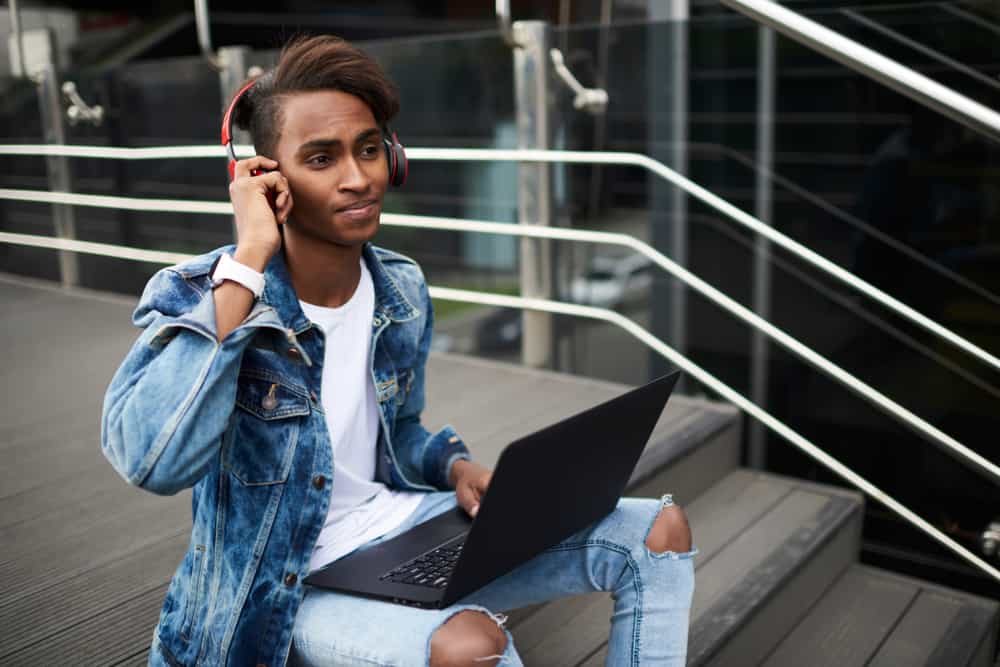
point(227, 268)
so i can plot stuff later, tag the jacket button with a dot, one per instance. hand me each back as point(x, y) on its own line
point(294, 353)
point(312, 395)
point(290, 579)
point(319, 481)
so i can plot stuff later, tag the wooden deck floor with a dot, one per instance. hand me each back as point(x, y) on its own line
point(86, 557)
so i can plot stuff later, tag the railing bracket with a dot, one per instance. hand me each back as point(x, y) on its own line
point(591, 100)
point(78, 110)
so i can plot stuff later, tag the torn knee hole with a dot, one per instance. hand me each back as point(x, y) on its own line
point(470, 637)
point(670, 531)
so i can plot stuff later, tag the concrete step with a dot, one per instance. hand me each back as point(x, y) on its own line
point(769, 547)
point(873, 617)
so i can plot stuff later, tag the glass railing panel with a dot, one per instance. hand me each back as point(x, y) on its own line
point(858, 173)
point(21, 122)
point(175, 101)
point(944, 41)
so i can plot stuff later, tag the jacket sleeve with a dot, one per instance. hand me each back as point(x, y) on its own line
point(170, 400)
point(434, 453)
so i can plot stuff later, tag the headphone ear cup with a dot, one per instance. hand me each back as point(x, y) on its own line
point(395, 156)
point(390, 160)
point(401, 163)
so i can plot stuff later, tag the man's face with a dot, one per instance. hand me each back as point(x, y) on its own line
point(331, 152)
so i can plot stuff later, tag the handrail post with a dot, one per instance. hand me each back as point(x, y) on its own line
point(54, 132)
point(534, 130)
point(668, 98)
point(759, 354)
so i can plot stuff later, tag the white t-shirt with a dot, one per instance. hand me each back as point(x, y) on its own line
point(361, 509)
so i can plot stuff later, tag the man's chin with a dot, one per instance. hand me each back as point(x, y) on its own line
point(356, 234)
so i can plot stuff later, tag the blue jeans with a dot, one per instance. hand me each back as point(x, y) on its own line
point(652, 597)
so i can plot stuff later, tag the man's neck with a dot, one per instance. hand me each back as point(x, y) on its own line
point(323, 274)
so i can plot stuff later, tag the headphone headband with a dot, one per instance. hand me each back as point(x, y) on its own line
point(227, 120)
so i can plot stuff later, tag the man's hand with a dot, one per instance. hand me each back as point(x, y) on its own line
point(470, 481)
point(257, 234)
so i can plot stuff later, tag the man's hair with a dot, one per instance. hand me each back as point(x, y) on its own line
point(321, 62)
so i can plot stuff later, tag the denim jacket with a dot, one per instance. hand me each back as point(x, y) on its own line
point(242, 422)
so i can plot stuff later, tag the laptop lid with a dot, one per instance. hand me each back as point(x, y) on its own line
point(557, 481)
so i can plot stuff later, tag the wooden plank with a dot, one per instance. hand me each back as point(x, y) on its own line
point(29, 467)
point(565, 632)
point(754, 548)
point(847, 626)
point(101, 640)
point(918, 633)
point(59, 421)
point(125, 533)
point(968, 630)
point(140, 659)
point(70, 488)
point(92, 593)
point(46, 531)
point(755, 589)
point(727, 510)
point(758, 632)
point(943, 627)
point(596, 659)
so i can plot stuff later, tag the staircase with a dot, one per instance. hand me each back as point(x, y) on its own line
point(778, 582)
point(88, 558)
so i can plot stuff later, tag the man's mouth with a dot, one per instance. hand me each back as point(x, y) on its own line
point(359, 210)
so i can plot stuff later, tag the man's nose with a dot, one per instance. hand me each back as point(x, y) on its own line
point(354, 177)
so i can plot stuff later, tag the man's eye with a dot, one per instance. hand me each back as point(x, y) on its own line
point(370, 150)
point(319, 160)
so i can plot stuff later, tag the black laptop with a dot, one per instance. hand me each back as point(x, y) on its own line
point(546, 486)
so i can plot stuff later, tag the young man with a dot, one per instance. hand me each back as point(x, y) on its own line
point(283, 379)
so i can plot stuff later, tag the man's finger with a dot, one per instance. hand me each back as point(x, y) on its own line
point(244, 167)
point(467, 499)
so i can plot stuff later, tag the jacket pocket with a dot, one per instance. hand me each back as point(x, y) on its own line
point(193, 599)
point(260, 443)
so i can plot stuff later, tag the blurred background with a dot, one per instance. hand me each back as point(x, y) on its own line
point(886, 188)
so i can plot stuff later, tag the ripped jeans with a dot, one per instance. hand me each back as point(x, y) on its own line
point(652, 598)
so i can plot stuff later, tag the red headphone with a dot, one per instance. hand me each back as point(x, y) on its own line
point(395, 155)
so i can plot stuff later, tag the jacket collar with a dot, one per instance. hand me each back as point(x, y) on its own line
point(280, 294)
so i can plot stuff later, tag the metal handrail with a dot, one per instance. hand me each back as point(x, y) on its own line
point(606, 315)
point(934, 435)
point(872, 64)
point(575, 157)
point(180, 152)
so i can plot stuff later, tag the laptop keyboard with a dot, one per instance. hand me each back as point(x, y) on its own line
point(432, 569)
